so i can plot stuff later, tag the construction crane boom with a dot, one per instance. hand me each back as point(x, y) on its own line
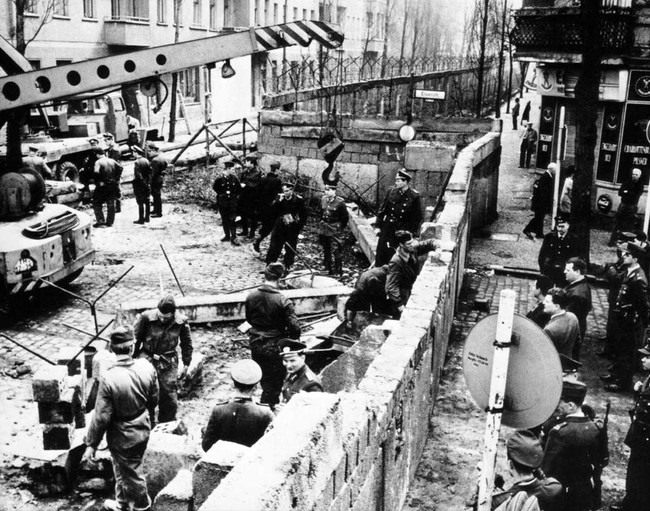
point(53, 83)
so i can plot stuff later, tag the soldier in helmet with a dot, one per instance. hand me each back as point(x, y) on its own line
point(127, 393)
point(239, 419)
point(333, 220)
point(158, 332)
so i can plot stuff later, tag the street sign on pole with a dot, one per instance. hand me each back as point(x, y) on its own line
point(429, 94)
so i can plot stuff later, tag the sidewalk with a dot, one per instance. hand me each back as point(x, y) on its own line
point(447, 475)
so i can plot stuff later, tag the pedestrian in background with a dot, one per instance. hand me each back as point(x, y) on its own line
point(629, 192)
point(158, 334)
point(528, 145)
point(400, 211)
point(142, 188)
point(515, 114)
point(227, 187)
point(564, 205)
point(269, 189)
point(126, 394)
point(114, 153)
point(158, 167)
point(541, 203)
point(239, 419)
point(249, 197)
point(105, 177)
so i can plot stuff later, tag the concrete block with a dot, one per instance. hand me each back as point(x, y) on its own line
point(65, 411)
point(177, 495)
point(48, 383)
point(58, 436)
point(213, 467)
point(65, 358)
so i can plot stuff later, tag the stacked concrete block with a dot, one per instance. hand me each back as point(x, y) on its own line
point(213, 467)
point(177, 495)
point(59, 392)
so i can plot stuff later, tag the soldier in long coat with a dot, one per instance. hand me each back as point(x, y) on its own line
point(249, 199)
point(269, 189)
point(105, 177)
point(290, 216)
point(142, 188)
point(557, 248)
point(401, 211)
point(158, 167)
point(126, 394)
point(333, 220)
point(228, 188)
point(158, 333)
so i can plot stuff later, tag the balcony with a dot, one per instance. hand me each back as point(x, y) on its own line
point(127, 31)
point(546, 30)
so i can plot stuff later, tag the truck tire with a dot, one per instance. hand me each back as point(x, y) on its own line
point(67, 171)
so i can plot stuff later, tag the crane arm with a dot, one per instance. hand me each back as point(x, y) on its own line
point(53, 83)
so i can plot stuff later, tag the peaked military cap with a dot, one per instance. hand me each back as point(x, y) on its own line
point(291, 347)
point(634, 250)
point(246, 372)
point(573, 391)
point(404, 175)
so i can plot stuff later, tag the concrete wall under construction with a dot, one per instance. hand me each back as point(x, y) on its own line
point(359, 448)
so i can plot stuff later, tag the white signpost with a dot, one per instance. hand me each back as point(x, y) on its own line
point(429, 94)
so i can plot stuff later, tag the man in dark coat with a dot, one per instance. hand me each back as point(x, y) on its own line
point(239, 419)
point(557, 248)
point(37, 163)
point(228, 188)
point(299, 377)
point(631, 319)
point(515, 113)
point(637, 489)
point(528, 145)
point(290, 216)
point(562, 327)
point(629, 192)
point(272, 317)
point(369, 293)
point(126, 394)
point(142, 188)
point(578, 295)
point(542, 286)
point(249, 198)
point(333, 220)
point(105, 178)
point(541, 203)
point(158, 167)
point(269, 189)
point(403, 269)
point(401, 211)
point(114, 153)
point(573, 450)
point(158, 333)
point(87, 170)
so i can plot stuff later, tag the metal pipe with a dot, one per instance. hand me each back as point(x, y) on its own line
point(95, 337)
point(84, 332)
point(172, 269)
point(26, 348)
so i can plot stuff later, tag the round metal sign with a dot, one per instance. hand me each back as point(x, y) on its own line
point(534, 381)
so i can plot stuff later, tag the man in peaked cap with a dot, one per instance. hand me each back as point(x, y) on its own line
point(557, 248)
point(299, 377)
point(127, 394)
point(401, 210)
point(272, 317)
point(525, 453)
point(249, 203)
point(637, 489)
point(158, 332)
point(270, 187)
point(631, 310)
point(228, 188)
point(290, 216)
point(240, 419)
point(333, 220)
point(572, 449)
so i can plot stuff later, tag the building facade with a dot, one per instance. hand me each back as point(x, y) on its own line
point(547, 36)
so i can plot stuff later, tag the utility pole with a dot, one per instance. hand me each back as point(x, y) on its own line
point(481, 61)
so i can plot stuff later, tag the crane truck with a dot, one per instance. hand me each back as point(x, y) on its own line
point(42, 242)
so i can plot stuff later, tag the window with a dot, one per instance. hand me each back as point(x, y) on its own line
point(31, 6)
point(63, 62)
point(213, 14)
point(61, 8)
point(304, 14)
point(275, 14)
point(162, 11)
point(295, 13)
point(115, 9)
point(266, 13)
point(340, 15)
point(178, 11)
point(36, 64)
point(226, 14)
point(189, 83)
point(369, 24)
point(196, 13)
point(313, 15)
point(89, 8)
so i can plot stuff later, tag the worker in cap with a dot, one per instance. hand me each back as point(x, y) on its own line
point(36, 162)
point(240, 419)
point(403, 269)
point(400, 211)
point(524, 452)
point(126, 398)
point(228, 189)
point(629, 319)
point(158, 164)
point(158, 333)
point(629, 193)
point(573, 449)
point(272, 317)
point(290, 214)
point(299, 377)
point(334, 218)
point(249, 203)
point(557, 248)
point(269, 189)
point(637, 490)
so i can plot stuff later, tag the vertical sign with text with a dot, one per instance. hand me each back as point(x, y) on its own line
point(546, 130)
point(609, 138)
